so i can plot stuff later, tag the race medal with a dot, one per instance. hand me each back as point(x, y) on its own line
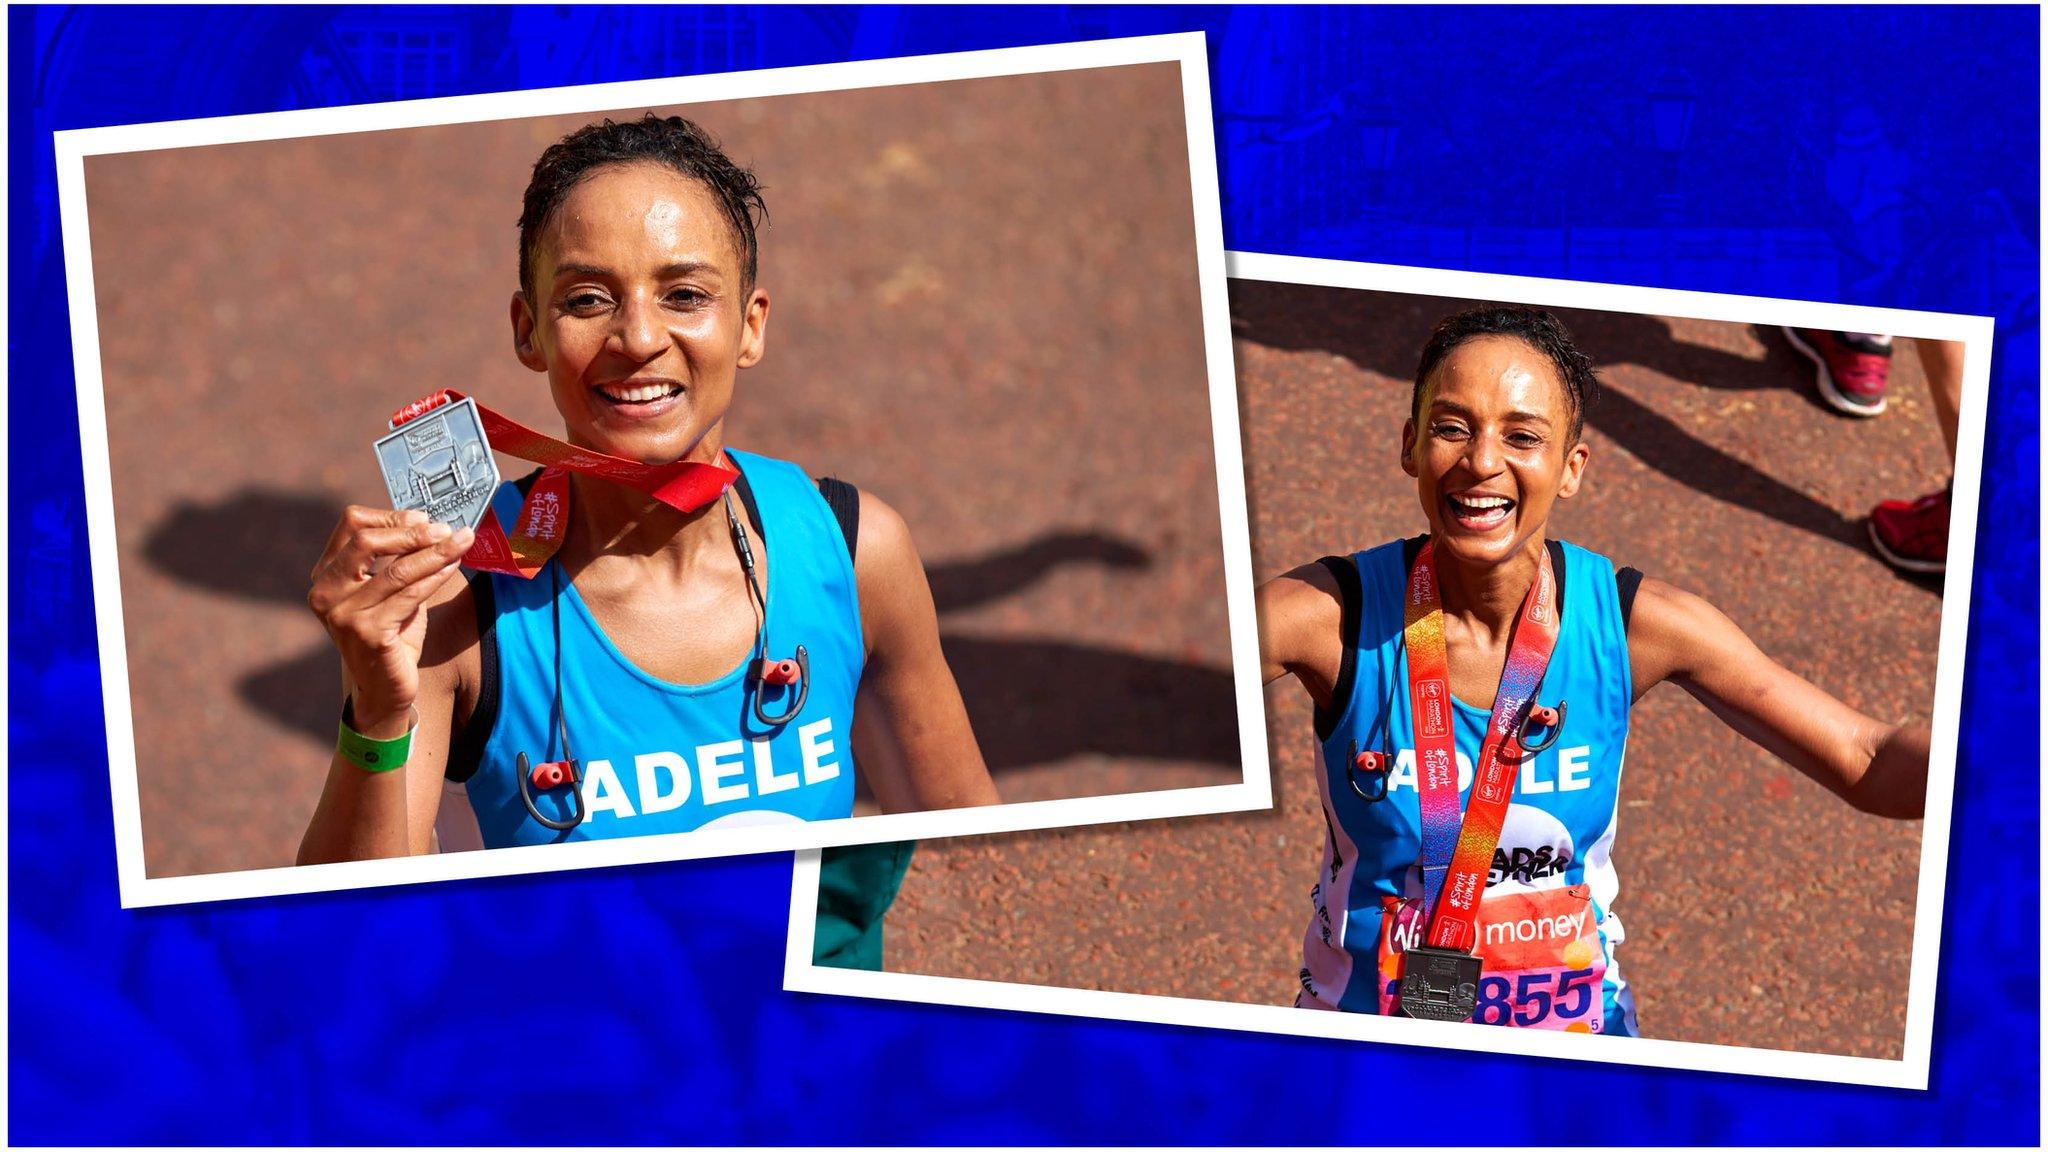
point(440, 463)
point(1439, 984)
point(1440, 978)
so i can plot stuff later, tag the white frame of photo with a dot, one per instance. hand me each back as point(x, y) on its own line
point(1909, 1071)
point(1188, 50)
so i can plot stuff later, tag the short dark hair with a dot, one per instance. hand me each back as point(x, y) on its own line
point(1532, 326)
point(670, 141)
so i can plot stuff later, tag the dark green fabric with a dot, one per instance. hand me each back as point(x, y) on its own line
point(856, 885)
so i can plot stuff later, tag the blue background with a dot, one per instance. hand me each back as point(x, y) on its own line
point(1521, 141)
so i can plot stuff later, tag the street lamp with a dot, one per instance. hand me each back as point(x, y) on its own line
point(1673, 97)
point(1378, 130)
point(1672, 100)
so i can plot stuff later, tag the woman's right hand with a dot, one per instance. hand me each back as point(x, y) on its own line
point(370, 589)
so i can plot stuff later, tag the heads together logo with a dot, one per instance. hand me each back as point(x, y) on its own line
point(1535, 851)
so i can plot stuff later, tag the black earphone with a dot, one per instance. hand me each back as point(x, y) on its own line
point(1379, 764)
point(761, 672)
point(555, 773)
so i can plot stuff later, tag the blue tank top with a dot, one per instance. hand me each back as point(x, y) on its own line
point(658, 757)
point(1547, 915)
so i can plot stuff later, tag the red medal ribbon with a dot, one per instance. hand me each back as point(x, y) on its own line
point(684, 485)
point(1456, 856)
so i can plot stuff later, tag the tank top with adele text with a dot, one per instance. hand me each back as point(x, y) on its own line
point(661, 757)
point(1546, 930)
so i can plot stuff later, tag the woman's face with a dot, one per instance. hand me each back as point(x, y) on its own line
point(1493, 449)
point(639, 316)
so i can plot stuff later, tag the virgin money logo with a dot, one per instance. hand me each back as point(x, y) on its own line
point(1492, 787)
point(1435, 712)
point(419, 407)
point(1539, 610)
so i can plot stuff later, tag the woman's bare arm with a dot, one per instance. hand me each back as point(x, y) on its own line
point(364, 815)
point(1301, 630)
point(911, 735)
point(1877, 767)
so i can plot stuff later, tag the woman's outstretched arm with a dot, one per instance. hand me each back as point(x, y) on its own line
point(1301, 630)
point(1877, 767)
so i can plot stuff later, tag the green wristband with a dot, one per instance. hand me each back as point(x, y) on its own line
point(367, 754)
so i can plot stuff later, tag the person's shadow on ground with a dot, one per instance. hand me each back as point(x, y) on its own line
point(1032, 701)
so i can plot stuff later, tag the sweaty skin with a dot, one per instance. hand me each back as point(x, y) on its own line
point(661, 220)
point(640, 318)
point(1495, 425)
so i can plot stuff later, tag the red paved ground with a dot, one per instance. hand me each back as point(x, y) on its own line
point(1761, 911)
point(985, 311)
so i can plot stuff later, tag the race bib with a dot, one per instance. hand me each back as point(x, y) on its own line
point(1544, 963)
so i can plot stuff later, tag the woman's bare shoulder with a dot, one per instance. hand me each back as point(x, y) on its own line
point(1301, 626)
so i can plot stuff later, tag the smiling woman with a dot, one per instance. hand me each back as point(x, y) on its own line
point(619, 688)
point(1472, 688)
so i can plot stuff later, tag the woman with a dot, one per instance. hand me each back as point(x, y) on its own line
point(1471, 693)
point(722, 659)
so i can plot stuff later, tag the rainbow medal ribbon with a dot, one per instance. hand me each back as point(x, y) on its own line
point(1440, 978)
point(440, 464)
point(437, 458)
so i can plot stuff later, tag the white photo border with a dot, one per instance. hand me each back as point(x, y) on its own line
point(1188, 50)
point(1910, 1071)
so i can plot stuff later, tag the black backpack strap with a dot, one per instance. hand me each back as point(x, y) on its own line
point(841, 497)
point(1350, 594)
point(844, 500)
point(1626, 582)
point(1410, 549)
point(745, 492)
point(466, 750)
point(1556, 550)
point(856, 883)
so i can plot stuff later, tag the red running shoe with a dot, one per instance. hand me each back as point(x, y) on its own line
point(1912, 535)
point(1852, 367)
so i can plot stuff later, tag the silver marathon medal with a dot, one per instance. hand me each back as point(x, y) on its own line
point(440, 463)
point(1439, 984)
